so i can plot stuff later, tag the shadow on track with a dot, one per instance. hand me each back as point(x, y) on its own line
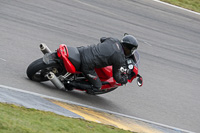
point(98, 100)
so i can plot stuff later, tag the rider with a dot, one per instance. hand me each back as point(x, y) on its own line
point(109, 51)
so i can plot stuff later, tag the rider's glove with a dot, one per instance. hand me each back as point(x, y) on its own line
point(124, 79)
point(131, 75)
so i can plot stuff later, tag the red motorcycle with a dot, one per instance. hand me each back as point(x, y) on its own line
point(64, 65)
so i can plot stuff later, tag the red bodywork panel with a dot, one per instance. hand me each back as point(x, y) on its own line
point(63, 54)
point(104, 73)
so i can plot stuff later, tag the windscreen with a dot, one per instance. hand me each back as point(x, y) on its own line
point(136, 58)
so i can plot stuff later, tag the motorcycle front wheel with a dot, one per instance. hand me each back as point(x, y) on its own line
point(38, 70)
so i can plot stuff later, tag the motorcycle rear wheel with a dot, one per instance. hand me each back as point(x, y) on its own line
point(37, 70)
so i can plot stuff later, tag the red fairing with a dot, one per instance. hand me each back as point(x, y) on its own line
point(105, 72)
point(112, 84)
point(135, 70)
point(63, 54)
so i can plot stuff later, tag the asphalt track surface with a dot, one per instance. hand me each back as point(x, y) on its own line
point(169, 48)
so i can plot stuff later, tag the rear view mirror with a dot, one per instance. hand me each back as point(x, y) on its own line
point(140, 81)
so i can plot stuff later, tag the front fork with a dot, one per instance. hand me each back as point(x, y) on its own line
point(51, 76)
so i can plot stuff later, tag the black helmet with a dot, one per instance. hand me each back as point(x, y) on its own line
point(130, 43)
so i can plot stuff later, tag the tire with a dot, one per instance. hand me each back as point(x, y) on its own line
point(37, 70)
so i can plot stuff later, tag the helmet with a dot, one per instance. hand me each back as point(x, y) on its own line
point(129, 44)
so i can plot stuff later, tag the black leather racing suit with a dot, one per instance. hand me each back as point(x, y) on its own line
point(108, 52)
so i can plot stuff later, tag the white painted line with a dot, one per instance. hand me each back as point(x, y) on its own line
point(95, 7)
point(177, 7)
point(2, 59)
point(98, 109)
point(147, 43)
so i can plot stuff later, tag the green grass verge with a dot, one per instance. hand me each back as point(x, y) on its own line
point(15, 119)
point(193, 5)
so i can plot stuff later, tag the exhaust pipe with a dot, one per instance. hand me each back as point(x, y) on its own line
point(52, 77)
point(44, 48)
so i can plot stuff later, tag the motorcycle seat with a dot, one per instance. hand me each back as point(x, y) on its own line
point(74, 57)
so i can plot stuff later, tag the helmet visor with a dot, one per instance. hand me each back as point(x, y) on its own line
point(133, 49)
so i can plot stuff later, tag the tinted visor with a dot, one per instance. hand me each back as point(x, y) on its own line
point(133, 49)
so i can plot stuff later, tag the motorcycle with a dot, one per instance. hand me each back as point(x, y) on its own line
point(63, 66)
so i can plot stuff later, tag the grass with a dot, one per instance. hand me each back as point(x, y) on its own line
point(193, 5)
point(15, 119)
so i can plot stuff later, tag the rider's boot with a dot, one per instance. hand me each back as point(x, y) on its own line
point(68, 87)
